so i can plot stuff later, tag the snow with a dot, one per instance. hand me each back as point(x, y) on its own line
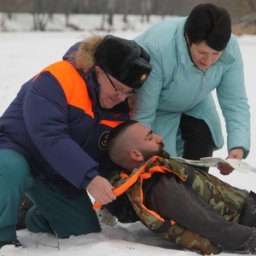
point(22, 55)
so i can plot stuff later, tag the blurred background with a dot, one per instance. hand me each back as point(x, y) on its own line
point(42, 14)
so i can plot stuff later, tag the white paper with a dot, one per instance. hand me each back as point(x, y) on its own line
point(239, 165)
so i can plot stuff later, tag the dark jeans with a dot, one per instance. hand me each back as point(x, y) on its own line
point(197, 138)
point(177, 201)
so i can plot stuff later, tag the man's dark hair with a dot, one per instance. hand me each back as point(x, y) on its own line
point(209, 23)
point(115, 132)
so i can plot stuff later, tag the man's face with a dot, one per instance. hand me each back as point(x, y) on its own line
point(203, 56)
point(147, 142)
point(112, 92)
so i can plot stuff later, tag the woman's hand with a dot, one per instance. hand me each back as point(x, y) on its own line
point(226, 169)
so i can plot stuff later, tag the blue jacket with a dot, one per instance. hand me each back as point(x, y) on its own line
point(56, 122)
point(176, 86)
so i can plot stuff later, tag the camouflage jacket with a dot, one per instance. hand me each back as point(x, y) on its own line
point(228, 201)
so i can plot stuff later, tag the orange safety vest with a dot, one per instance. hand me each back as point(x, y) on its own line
point(140, 174)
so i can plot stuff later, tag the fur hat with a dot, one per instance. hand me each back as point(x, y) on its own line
point(123, 59)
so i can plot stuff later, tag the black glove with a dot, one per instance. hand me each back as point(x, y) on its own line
point(121, 208)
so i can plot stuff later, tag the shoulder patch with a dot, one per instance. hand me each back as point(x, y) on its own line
point(103, 139)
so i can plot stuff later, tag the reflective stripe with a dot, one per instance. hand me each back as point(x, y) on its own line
point(73, 85)
point(75, 89)
point(110, 123)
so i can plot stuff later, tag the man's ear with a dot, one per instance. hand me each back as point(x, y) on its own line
point(97, 68)
point(136, 155)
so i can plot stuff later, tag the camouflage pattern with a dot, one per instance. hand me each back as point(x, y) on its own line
point(227, 200)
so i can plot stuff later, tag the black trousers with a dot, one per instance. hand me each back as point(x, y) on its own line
point(197, 138)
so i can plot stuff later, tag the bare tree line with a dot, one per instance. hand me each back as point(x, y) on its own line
point(43, 10)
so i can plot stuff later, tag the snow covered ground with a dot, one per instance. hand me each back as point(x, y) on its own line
point(23, 54)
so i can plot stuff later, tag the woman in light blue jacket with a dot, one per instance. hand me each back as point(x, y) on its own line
point(191, 57)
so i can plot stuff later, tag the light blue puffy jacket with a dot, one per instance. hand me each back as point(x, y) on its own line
point(176, 86)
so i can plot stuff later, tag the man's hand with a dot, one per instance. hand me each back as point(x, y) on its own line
point(101, 190)
point(236, 153)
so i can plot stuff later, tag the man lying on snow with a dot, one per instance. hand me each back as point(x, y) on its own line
point(180, 203)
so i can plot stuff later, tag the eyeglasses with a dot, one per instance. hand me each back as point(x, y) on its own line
point(118, 91)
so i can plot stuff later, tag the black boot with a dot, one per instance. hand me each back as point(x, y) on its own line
point(16, 243)
point(248, 214)
point(249, 245)
point(26, 204)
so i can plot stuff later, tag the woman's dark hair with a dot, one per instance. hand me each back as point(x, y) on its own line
point(209, 23)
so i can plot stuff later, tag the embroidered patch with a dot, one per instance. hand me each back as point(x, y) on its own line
point(102, 142)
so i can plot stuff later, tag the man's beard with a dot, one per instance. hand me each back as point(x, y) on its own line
point(163, 154)
point(160, 152)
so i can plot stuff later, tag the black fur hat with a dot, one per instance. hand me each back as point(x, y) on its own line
point(123, 59)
